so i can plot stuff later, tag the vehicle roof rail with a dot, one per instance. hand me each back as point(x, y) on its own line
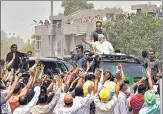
point(117, 57)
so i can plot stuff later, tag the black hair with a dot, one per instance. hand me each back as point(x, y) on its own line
point(17, 89)
point(23, 101)
point(29, 52)
point(43, 90)
point(117, 51)
point(43, 98)
point(111, 78)
point(144, 53)
point(79, 91)
point(50, 97)
point(13, 45)
point(99, 22)
point(142, 88)
point(87, 51)
point(2, 62)
point(90, 77)
point(158, 89)
point(80, 46)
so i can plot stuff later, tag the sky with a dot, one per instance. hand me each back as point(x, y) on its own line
point(17, 16)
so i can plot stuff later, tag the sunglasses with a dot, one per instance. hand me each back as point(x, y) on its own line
point(14, 47)
point(98, 25)
point(87, 54)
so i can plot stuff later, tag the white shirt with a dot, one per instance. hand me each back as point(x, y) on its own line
point(60, 102)
point(24, 109)
point(86, 109)
point(71, 110)
point(105, 107)
point(103, 48)
point(104, 19)
point(122, 105)
point(75, 108)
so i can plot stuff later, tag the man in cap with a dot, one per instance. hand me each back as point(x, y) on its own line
point(104, 103)
point(152, 104)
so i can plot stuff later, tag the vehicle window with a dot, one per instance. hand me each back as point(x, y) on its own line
point(68, 65)
point(48, 65)
point(130, 69)
point(62, 67)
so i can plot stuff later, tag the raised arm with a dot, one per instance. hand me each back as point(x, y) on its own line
point(87, 42)
point(120, 67)
point(29, 84)
point(11, 62)
point(81, 78)
point(50, 87)
point(55, 99)
point(96, 81)
point(118, 77)
point(13, 86)
point(149, 78)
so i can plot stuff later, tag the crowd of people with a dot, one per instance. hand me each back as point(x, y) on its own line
point(84, 89)
point(86, 19)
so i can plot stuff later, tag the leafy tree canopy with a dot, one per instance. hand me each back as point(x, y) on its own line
point(70, 6)
point(142, 32)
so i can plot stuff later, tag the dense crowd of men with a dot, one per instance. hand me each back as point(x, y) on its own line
point(79, 91)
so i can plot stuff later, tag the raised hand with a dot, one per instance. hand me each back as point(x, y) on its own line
point(13, 56)
point(118, 76)
point(97, 73)
point(120, 67)
point(37, 60)
point(81, 73)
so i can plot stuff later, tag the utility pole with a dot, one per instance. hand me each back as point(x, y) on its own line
point(51, 31)
point(161, 88)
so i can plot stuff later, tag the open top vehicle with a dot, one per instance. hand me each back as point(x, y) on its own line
point(133, 70)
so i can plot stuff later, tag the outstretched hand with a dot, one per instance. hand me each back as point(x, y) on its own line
point(120, 67)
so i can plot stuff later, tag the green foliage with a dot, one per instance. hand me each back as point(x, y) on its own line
point(142, 32)
point(28, 47)
point(5, 48)
point(70, 6)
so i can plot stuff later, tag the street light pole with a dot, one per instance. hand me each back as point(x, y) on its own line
point(161, 94)
point(51, 31)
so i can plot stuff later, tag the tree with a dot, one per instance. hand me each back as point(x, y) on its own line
point(5, 48)
point(28, 47)
point(3, 35)
point(70, 6)
point(142, 32)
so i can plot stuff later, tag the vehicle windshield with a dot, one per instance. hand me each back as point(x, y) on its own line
point(130, 69)
point(48, 65)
